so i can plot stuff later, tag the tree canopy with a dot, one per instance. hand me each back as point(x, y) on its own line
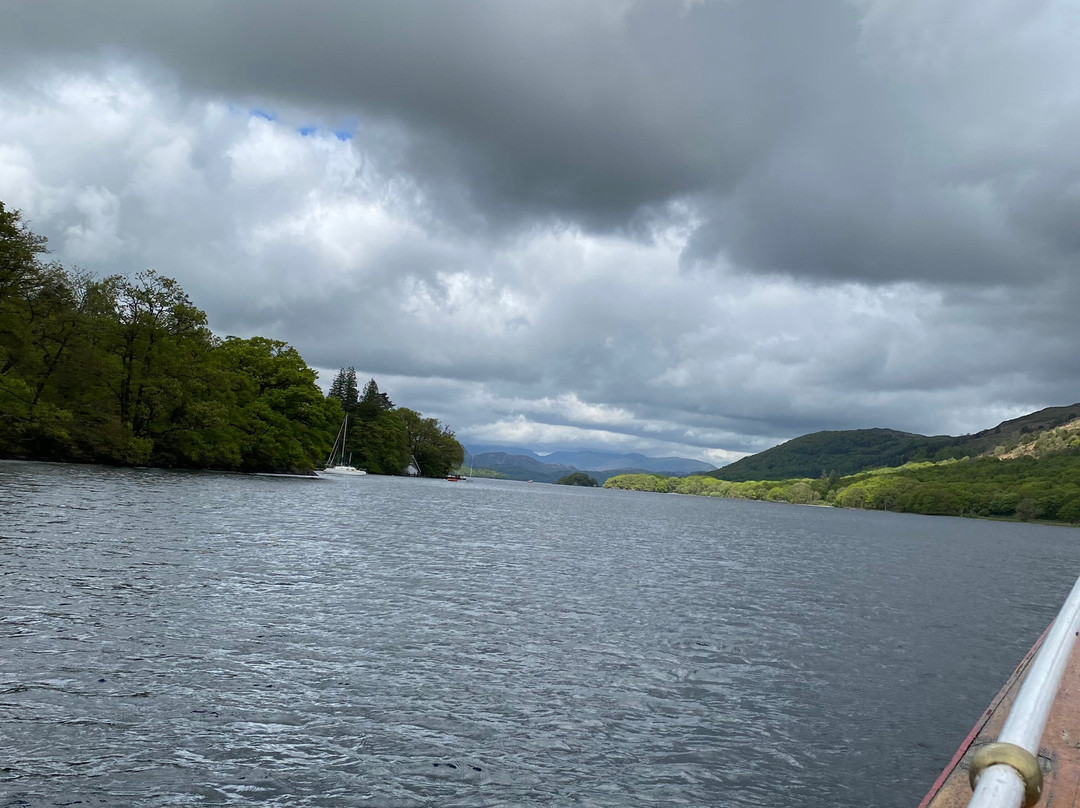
point(578, 478)
point(125, 370)
point(1026, 488)
point(434, 446)
point(344, 389)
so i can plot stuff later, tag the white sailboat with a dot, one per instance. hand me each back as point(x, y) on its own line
point(335, 463)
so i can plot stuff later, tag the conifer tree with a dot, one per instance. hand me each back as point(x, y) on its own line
point(344, 389)
point(372, 402)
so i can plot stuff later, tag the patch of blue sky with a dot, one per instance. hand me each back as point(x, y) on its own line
point(262, 113)
point(311, 130)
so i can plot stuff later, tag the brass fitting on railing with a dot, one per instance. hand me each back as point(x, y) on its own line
point(1021, 760)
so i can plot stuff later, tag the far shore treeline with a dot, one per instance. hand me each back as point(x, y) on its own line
point(1031, 476)
point(125, 371)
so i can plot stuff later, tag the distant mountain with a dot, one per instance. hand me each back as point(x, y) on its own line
point(490, 448)
point(519, 467)
point(854, 450)
point(597, 460)
point(843, 452)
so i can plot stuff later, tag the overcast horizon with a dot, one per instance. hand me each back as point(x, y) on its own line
point(674, 227)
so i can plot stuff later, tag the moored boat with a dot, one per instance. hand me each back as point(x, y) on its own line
point(457, 477)
point(336, 463)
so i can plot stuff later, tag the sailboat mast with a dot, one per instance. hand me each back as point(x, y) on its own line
point(344, 436)
point(339, 444)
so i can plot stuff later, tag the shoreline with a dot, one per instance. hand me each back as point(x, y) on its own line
point(989, 518)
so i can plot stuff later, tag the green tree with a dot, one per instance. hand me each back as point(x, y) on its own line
point(20, 248)
point(37, 332)
point(22, 277)
point(937, 500)
point(433, 446)
point(1027, 509)
point(1070, 511)
point(126, 370)
point(344, 389)
point(853, 496)
point(372, 402)
point(643, 482)
point(380, 445)
point(801, 493)
point(275, 416)
point(578, 478)
point(157, 342)
point(1004, 503)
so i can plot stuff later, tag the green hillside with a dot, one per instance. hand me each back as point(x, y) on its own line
point(1027, 468)
point(843, 452)
point(519, 467)
point(1009, 434)
point(850, 451)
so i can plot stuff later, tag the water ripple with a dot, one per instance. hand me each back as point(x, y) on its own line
point(181, 639)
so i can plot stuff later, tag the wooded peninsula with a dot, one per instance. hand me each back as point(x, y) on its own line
point(1026, 469)
point(125, 371)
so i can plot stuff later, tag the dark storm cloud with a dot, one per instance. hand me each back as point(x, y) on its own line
point(580, 112)
point(804, 151)
point(708, 224)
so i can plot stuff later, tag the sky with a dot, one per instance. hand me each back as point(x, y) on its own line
point(678, 227)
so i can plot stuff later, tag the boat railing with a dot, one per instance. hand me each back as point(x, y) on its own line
point(1006, 774)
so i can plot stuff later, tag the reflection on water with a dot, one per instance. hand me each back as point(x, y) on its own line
point(182, 639)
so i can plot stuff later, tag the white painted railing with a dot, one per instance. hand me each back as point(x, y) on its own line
point(1000, 785)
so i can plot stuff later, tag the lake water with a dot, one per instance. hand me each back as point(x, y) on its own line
point(176, 639)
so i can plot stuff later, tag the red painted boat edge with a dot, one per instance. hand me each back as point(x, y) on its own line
point(987, 713)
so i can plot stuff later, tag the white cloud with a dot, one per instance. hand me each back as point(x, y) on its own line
point(606, 255)
point(95, 237)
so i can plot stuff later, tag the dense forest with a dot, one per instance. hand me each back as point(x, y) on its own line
point(1032, 477)
point(384, 439)
point(579, 478)
point(126, 371)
